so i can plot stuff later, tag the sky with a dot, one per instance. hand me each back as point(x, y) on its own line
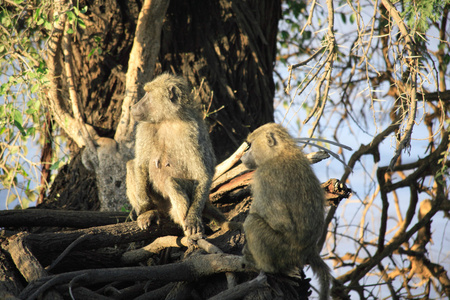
point(363, 178)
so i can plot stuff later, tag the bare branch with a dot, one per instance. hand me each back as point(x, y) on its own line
point(243, 289)
point(141, 63)
point(412, 61)
point(231, 161)
point(76, 104)
point(56, 103)
point(187, 270)
point(322, 98)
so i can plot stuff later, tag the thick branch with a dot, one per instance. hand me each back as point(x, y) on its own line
point(59, 218)
point(141, 63)
point(74, 99)
point(98, 237)
point(231, 161)
point(56, 102)
point(188, 270)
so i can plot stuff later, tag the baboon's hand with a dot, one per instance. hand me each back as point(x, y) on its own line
point(193, 225)
point(146, 219)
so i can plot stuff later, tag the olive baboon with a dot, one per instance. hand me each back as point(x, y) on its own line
point(174, 163)
point(286, 217)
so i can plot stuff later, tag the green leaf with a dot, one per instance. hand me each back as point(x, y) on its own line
point(37, 14)
point(31, 131)
point(48, 25)
point(22, 172)
point(3, 89)
point(31, 195)
point(25, 203)
point(34, 88)
point(91, 52)
point(55, 166)
point(71, 16)
point(19, 126)
point(81, 24)
point(11, 198)
point(84, 10)
point(307, 34)
point(70, 31)
point(17, 116)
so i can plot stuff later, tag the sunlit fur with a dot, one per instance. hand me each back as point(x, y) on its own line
point(286, 218)
point(174, 162)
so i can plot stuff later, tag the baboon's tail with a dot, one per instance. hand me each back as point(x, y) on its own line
point(322, 271)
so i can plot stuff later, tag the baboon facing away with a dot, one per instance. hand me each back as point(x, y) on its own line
point(286, 217)
point(174, 164)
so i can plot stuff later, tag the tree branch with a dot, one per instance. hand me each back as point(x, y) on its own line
point(88, 137)
point(412, 61)
point(141, 63)
point(189, 270)
point(56, 102)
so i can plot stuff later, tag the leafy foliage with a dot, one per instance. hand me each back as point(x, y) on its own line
point(418, 14)
point(23, 80)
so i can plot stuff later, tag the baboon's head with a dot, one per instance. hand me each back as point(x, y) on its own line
point(266, 143)
point(165, 98)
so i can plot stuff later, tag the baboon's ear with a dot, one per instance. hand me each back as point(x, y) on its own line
point(174, 94)
point(271, 139)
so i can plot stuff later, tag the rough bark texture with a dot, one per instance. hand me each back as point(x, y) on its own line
point(225, 49)
point(74, 188)
point(106, 261)
point(229, 63)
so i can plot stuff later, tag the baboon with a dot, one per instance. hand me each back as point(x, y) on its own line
point(174, 164)
point(286, 217)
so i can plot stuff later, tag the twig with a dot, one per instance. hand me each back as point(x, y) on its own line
point(291, 67)
point(412, 61)
point(327, 72)
point(306, 141)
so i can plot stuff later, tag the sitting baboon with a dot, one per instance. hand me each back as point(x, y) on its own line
point(286, 217)
point(174, 164)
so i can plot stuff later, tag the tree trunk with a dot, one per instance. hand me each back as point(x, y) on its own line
point(225, 49)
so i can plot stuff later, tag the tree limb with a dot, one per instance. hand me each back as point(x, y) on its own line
point(56, 102)
point(412, 61)
point(141, 63)
point(88, 137)
point(59, 218)
point(189, 270)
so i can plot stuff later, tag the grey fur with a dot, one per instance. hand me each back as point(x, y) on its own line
point(174, 163)
point(286, 217)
